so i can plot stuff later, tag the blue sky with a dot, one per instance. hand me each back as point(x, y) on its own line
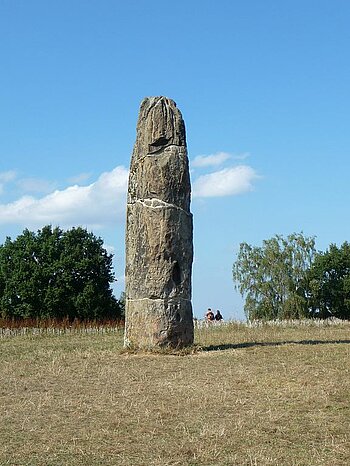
point(264, 88)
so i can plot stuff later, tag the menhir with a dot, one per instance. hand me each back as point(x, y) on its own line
point(159, 243)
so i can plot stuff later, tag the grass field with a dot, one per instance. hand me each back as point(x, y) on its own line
point(270, 395)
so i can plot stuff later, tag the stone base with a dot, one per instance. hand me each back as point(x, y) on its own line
point(152, 323)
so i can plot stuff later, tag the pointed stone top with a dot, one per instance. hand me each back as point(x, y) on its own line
point(153, 100)
point(160, 124)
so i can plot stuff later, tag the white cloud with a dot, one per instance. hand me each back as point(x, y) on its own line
point(210, 160)
point(95, 205)
point(226, 182)
point(103, 202)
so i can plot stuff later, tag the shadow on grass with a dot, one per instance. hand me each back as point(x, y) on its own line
point(252, 344)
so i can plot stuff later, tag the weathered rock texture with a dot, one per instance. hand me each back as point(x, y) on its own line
point(159, 249)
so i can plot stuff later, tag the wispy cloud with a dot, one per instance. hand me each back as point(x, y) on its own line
point(36, 185)
point(80, 178)
point(226, 182)
point(6, 177)
point(214, 160)
point(27, 185)
point(95, 205)
point(242, 156)
point(210, 160)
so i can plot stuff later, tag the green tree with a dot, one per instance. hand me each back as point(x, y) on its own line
point(55, 273)
point(273, 277)
point(329, 279)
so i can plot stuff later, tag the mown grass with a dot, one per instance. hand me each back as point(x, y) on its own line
point(246, 396)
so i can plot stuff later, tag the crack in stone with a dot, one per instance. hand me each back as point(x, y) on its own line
point(161, 148)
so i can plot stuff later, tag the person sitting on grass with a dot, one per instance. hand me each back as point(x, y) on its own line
point(218, 316)
point(209, 316)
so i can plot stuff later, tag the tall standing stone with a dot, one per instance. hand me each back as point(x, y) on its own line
point(159, 247)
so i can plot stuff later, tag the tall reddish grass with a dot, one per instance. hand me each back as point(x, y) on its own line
point(62, 324)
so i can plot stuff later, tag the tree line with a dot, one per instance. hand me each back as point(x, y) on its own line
point(286, 278)
point(56, 274)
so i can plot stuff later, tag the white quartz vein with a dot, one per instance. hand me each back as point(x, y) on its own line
point(155, 203)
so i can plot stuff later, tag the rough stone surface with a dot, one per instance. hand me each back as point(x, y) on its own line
point(159, 249)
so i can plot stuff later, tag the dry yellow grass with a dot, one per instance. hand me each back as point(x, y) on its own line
point(251, 396)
